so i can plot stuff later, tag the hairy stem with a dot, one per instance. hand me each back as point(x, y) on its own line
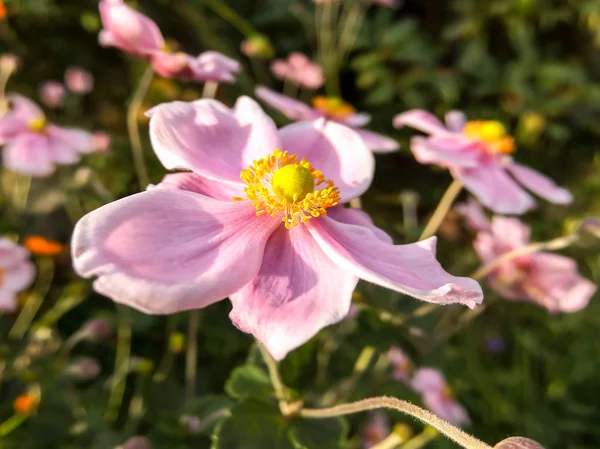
point(117, 387)
point(278, 385)
point(441, 210)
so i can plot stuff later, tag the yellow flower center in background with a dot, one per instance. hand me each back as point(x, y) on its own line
point(37, 125)
point(333, 106)
point(280, 184)
point(492, 133)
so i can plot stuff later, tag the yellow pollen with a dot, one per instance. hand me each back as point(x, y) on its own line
point(280, 185)
point(333, 106)
point(37, 125)
point(492, 133)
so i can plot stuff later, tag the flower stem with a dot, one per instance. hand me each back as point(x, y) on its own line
point(350, 27)
point(191, 355)
point(117, 388)
point(455, 434)
point(442, 209)
point(233, 18)
point(278, 385)
point(166, 363)
point(554, 244)
point(133, 128)
point(210, 89)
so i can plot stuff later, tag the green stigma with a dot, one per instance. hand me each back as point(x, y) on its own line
point(293, 182)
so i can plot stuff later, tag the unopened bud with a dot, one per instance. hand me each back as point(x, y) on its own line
point(97, 329)
point(192, 423)
point(176, 342)
point(137, 442)
point(142, 366)
point(257, 46)
point(518, 443)
point(84, 369)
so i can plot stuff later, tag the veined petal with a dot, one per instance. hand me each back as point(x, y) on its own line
point(378, 143)
point(539, 184)
point(336, 150)
point(290, 107)
point(296, 293)
point(163, 251)
point(445, 151)
point(409, 269)
point(357, 217)
point(199, 184)
point(421, 120)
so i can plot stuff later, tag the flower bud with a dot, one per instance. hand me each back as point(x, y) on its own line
point(192, 423)
point(518, 443)
point(137, 442)
point(97, 329)
point(78, 80)
point(141, 365)
point(52, 94)
point(257, 46)
point(176, 342)
point(84, 369)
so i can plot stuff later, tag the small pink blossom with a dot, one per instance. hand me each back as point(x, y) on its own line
point(287, 256)
point(52, 94)
point(78, 80)
point(438, 397)
point(16, 273)
point(388, 3)
point(33, 146)
point(377, 429)
point(477, 154)
point(134, 33)
point(101, 141)
point(402, 365)
point(298, 69)
point(333, 109)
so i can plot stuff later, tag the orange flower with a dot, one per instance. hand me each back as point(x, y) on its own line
point(26, 403)
point(43, 247)
point(2, 10)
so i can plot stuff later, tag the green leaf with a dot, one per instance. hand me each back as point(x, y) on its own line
point(249, 381)
point(252, 425)
point(318, 433)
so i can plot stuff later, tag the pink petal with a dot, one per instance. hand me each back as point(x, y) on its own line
point(297, 292)
point(455, 121)
point(445, 151)
point(199, 184)
point(540, 184)
point(169, 65)
point(128, 29)
point(446, 409)
point(164, 251)
point(18, 276)
point(421, 120)
point(357, 120)
point(214, 66)
point(29, 153)
point(510, 232)
point(25, 109)
point(409, 269)
point(428, 380)
point(11, 253)
point(336, 150)
point(78, 139)
point(357, 217)
point(290, 107)
point(211, 139)
point(472, 211)
point(8, 301)
point(377, 142)
point(490, 184)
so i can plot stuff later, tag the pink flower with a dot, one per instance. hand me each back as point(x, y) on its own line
point(133, 32)
point(477, 154)
point(331, 108)
point(101, 141)
point(402, 365)
point(52, 94)
point(298, 69)
point(16, 273)
point(259, 225)
point(79, 81)
point(550, 280)
point(474, 215)
point(33, 146)
point(376, 430)
point(388, 3)
point(438, 397)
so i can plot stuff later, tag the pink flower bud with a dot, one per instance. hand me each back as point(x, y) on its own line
point(97, 329)
point(518, 443)
point(137, 442)
point(52, 94)
point(84, 369)
point(101, 141)
point(79, 80)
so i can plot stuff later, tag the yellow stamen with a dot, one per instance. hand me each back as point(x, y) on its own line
point(37, 125)
point(333, 106)
point(280, 184)
point(448, 393)
point(492, 133)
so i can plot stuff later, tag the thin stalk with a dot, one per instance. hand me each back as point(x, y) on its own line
point(117, 388)
point(12, 423)
point(442, 209)
point(4, 77)
point(133, 128)
point(62, 306)
point(328, 47)
point(210, 89)
point(455, 434)
point(290, 88)
point(166, 363)
point(233, 18)
point(278, 385)
point(21, 192)
point(554, 244)
point(392, 441)
point(421, 439)
point(191, 355)
point(350, 28)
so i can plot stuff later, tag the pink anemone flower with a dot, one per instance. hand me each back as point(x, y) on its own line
point(333, 109)
point(262, 226)
point(402, 365)
point(438, 397)
point(138, 35)
point(547, 279)
point(477, 154)
point(52, 94)
point(33, 146)
point(376, 430)
point(79, 80)
point(298, 69)
point(16, 273)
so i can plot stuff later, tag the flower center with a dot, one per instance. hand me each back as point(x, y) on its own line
point(333, 106)
point(1, 277)
point(280, 184)
point(492, 133)
point(37, 125)
point(447, 393)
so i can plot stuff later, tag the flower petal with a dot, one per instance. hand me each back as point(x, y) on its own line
point(199, 184)
point(455, 121)
point(490, 184)
point(77, 139)
point(409, 269)
point(474, 215)
point(210, 139)
point(378, 142)
point(539, 184)
point(28, 153)
point(163, 251)
point(18, 276)
point(8, 300)
point(421, 120)
point(446, 408)
point(357, 120)
point(357, 217)
point(445, 151)
point(297, 292)
point(336, 150)
point(290, 107)
point(510, 232)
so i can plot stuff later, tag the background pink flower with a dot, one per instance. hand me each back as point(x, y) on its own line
point(298, 69)
point(208, 66)
point(16, 273)
point(402, 365)
point(377, 429)
point(78, 80)
point(52, 94)
point(477, 154)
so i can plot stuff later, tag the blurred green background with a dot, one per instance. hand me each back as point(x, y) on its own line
point(533, 64)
